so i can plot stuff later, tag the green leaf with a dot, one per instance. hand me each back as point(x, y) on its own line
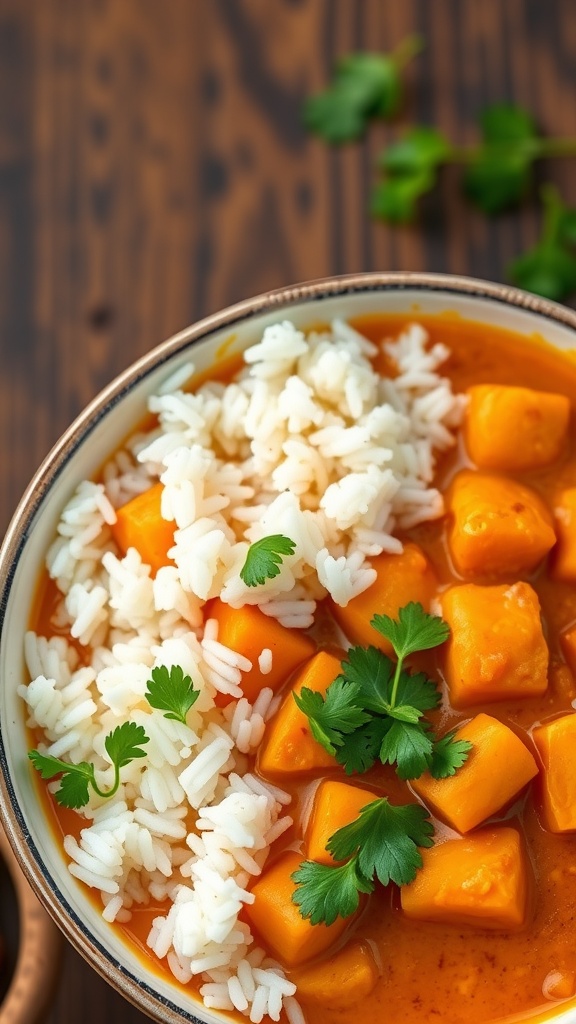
point(333, 716)
point(545, 270)
point(409, 747)
point(395, 199)
point(125, 743)
point(404, 713)
point(172, 692)
point(421, 149)
point(73, 791)
point(567, 227)
point(364, 85)
point(505, 123)
point(324, 893)
point(498, 178)
point(448, 755)
point(360, 749)
point(385, 839)
point(414, 630)
point(418, 691)
point(264, 557)
point(370, 672)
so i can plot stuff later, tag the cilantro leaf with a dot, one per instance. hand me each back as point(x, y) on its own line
point(409, 746)
point(123, 745)
point(500, 171)
point(264, 557)
point(324, 893)
point(395, 198)
point(385, 838)
point(333, 716)
point(420, 149)
point(73, 791)
point(364, 85)
point(360, 750)
point(172, 692)
point(418, 691)
point(448, 755)
point(370, 671)
point(414, 630)
point(549, 268)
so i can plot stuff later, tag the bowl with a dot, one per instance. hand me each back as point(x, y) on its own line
point(37, 954)
point(78, 455)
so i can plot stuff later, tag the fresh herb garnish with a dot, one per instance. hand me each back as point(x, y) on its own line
point(364, 85)
point(381, 843)
point(378, 707)
point(122, 745)
point(172, 692)
point(264, 558)
point(497, 171)
point(549, 268)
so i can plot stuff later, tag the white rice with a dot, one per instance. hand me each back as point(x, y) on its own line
point(307, 441)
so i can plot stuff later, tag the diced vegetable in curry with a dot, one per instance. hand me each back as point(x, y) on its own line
point(483, 925)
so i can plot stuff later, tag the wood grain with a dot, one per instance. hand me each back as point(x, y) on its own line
point(154, 168)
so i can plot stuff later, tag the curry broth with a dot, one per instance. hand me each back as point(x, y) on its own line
point(458, 975)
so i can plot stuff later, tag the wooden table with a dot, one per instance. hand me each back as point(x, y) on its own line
point(154, 168)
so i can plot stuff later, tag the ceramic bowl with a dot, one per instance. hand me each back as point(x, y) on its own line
point(79, 454)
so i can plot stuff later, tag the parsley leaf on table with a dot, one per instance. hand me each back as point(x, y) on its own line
point(172, 692)
point(499, 172)
point(123, 745)
point(264, 557)
point(382, 842)
point(375, 709)
point(411, 167)
point(333, 717)
point(364, 85)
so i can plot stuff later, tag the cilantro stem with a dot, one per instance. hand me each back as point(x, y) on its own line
point(397, 675)
point(110, 792)
point(406, 50)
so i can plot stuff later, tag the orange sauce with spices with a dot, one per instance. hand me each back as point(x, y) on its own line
point(434, 972)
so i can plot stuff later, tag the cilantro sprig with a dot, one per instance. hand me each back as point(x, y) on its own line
point(264, 558)
point(171, 691)
point(364, 85)
point(497, 171)
point(382, 844)
point(549, 268)
point(375, 710)
point(123, 745)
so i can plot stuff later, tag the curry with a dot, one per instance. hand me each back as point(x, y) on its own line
point(410, 956)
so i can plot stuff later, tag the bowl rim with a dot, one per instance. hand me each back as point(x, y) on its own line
point(122, 979)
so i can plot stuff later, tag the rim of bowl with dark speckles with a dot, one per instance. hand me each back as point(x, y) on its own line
point(350, 295)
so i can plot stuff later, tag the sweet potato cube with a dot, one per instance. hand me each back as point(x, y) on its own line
point(556, 743)
point(247, 630)
point(511, 428)
point(288, 745)
point(481, 880)
point(278, 919)
point(498, 525)
point(139, 524)
point(401, 578)
point(499, 765)
point(496, 649)
point(568, 645)
point(564, 554)
point(335, 804)
point(340, 981)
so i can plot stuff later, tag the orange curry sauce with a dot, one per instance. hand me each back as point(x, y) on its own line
point(452, 974)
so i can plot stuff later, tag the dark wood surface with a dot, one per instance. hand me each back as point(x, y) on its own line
point(154, 168)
